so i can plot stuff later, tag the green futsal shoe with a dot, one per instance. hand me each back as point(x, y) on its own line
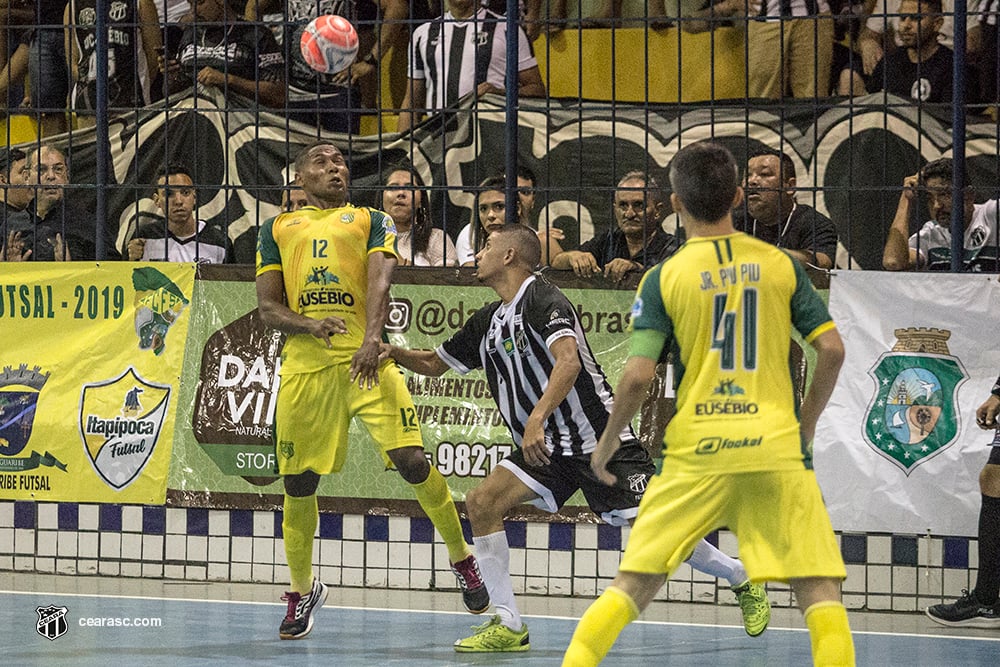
point(494, 637)
point(755, 606)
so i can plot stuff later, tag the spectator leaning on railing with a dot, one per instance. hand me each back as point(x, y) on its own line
point(637, 242)
point(773, 215)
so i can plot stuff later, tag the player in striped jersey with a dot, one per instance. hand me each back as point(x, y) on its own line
point(555, 400)
point(323, 275)
point(463, 53)
point(736, 453)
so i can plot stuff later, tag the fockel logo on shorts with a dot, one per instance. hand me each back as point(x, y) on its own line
point(716, 444)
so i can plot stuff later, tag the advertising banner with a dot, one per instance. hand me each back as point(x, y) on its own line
point(223, 443)
point(89, 376)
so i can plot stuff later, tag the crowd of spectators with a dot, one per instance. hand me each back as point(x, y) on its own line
point(248, 50)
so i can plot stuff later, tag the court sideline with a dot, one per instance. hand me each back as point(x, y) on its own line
point(227, 623)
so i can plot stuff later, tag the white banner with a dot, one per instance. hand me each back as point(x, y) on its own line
point(897, 449)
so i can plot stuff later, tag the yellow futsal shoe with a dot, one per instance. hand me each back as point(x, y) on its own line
point(494, 637)
point(755, 606)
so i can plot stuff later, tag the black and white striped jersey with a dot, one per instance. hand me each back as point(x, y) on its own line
point(772, 9)
point(454, 56)
point(510, 342)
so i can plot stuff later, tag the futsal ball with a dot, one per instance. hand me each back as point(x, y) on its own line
point(329, 43)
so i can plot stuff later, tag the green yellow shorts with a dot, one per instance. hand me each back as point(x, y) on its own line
point(779, 520)
point(313, 413)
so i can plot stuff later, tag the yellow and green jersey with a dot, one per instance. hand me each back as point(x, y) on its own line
point(725, 307)
point(323, 257)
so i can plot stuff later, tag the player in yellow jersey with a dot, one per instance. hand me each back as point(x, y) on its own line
point(737, 452)
point(323, 275)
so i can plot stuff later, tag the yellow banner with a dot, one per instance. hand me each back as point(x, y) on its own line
point(90, 366)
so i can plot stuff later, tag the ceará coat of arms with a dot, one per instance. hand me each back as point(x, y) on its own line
point(914, 414)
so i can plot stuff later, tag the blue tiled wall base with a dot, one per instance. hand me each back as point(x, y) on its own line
point(885, 572)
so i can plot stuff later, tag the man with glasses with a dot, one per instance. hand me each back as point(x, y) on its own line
point(62, 229)
point(637, 242)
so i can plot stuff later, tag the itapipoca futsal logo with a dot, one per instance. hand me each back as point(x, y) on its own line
point(51, 621)
point(158, 304)
point(913, 414)
point(120, 422)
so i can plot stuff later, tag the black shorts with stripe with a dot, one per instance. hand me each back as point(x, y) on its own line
point(564, 475)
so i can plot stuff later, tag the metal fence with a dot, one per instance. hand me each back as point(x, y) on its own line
point(607, 88)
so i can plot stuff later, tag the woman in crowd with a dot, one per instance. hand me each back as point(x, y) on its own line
point(418, 243)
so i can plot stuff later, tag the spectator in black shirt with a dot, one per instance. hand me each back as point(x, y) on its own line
point(636, 243)
point(15, 208)
point(773, 215)
point(922, 69)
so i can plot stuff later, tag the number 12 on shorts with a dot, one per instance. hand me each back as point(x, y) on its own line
point(724, 331)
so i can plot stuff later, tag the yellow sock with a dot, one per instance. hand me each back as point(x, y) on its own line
point(600, 627)
point(435, 498)
point(830, 635)
point(298, 525)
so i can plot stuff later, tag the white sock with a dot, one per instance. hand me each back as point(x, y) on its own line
point(710, 560)
point(493, 554)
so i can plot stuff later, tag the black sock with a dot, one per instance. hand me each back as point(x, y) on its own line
point(988, 582)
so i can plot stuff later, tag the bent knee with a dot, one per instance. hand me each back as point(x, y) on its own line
point(989, 480)
point(480, 504)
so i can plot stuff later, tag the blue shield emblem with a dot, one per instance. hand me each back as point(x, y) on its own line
point(19, 390)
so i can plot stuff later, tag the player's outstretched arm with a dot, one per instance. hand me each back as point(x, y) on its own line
point(829, 357)
point(629, 395)
point(364, 363)
point(421, 362)
point(565, 371)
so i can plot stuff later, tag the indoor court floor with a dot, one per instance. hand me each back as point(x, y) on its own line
point(236, 624)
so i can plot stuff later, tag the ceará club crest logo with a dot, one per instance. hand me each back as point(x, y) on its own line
point(914, 413)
